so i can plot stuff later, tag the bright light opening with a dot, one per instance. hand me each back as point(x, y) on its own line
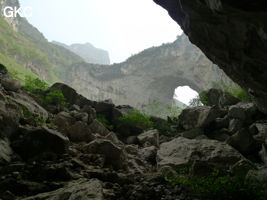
point(184, 94)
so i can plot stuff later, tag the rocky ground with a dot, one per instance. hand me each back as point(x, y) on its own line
point(55, 152)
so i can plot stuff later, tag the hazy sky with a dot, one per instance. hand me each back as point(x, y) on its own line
point(123, 27)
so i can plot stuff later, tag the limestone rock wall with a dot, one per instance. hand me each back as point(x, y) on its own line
point(151, 75)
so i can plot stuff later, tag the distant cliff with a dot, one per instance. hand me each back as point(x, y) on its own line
point(88, 52)
point(149, 76)
point(25, 51)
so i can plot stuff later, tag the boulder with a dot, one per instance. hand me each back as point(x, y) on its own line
point(263, 154)
point(104, 107)
point(98, 127)
point(259, 130)
point(220, 135)
point(258, 179)
point(213, 97)
point(91, 113)
point(120, 111)
point(5, 151)
point(10, 84)
point(219, 98)
point(243, 111)
point(193, 133)
point(244, 142)
point(132, 140)
point(27, 102)
point(10, 114)
point(63, 120)
point(242, 167)
point(83, 189)
point(114, 155)
point(80, 116)
point(210, 154)
point(149, 154)
point(199, 117)
point(42, 141)
point(228, 100)
point(69, 93)
point(80, 132)
point(113, 138)
point(150, 138)
point(221, 122)
point(235, 125)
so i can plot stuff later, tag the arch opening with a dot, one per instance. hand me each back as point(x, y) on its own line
point(183, 95)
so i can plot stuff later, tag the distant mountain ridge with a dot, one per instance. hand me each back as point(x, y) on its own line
point(149, 77)
point(88, 52)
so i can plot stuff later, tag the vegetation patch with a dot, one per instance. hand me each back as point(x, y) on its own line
point(101, 118)
point(54, 97)
point(31, 84)
point(214, 185)
point(237, 92)
point(135, 119)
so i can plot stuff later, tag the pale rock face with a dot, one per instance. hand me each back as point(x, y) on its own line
point(80, 189)
point(149, 76)
point(182, 152)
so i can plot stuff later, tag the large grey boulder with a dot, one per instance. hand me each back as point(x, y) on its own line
point(201, 154)
point(10, 84)
point(193, 133)
point(81, 189)
point(259, 130)
point(235, 125)
point(243, 141)
point(42, 141)
point(91, 113)
point(98, 127)
point(80, 132)
point(63, 120)
point(5, 151)
point(114, 155)
point(219, 98)
point(149, 138)
point(198, 117)
point(26, 101)
point(243, 111)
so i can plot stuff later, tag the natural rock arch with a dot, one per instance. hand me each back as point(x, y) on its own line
point(151, 75)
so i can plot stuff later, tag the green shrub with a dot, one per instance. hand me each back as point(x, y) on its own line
point(203, 98)
point(135, 119)
point(40, 121)
point(164, 128)
point(214, 185)
point(25, 111)
point(31, 84)
point(101, 118)
point(54, 97)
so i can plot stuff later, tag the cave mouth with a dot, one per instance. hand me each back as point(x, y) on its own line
point(184, 94)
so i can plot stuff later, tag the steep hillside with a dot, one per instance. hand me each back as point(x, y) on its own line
point(150, 76)
point(88, 52)
point(26, 51)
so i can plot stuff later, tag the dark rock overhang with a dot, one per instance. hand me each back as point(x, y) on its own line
point(233, 34)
